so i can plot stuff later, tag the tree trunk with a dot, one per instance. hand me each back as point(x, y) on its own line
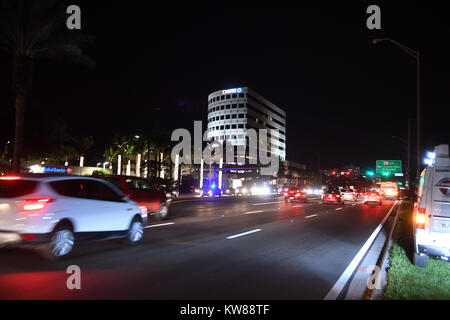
point(18, 137)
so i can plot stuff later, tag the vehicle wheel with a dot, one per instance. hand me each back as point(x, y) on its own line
point(61, 243)
point(135, 232)
point(420, 260)
point(163, 213)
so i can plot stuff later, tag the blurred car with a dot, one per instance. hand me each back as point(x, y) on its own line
point(349, 194)
point(230, 191)
point(294, 194)
point(139, 190)
point(372, 197)
point(243, 191)
point(332, 196)
point(53, 213)
point(210, 191)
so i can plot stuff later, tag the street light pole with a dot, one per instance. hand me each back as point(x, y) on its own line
point(415, 54)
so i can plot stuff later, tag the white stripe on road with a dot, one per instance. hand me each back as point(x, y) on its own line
point(243, 234)
point(250, 212)
point(297, 206)
point(159, 225)
point(310, 216)
point(260, 204)
point(345, 276)
point(339, 209)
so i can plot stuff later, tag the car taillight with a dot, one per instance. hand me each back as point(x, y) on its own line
point(35, 204)
point(144, 211)
point(10, 178)
point(421, 218)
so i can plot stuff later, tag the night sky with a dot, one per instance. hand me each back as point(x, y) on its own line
point(344, 97)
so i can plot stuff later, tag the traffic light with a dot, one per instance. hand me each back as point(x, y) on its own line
point(370, 173)
point(385, 173)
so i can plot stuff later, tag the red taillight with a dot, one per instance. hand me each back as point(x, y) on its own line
point(10, 178)
point(35, 204)
point(421, 218)
point(28, 237)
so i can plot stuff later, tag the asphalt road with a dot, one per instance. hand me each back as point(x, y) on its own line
point(231, 248)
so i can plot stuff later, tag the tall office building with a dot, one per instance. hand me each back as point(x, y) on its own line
point(232, 112)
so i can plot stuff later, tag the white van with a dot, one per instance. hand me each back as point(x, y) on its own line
point(432, 211)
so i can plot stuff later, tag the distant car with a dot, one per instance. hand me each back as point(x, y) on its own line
point(294, 194)
point(349, 195)
point(230, 191)
point(139, 190)
point(332, 196)
point(53, 213)
point(372, 197)
point(210, 191)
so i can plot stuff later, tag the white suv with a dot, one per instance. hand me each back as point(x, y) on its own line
point(51, 213)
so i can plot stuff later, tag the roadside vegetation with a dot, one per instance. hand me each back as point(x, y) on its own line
point(405, 280)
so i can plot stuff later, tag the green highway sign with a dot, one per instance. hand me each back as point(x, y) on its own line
point(388, 167)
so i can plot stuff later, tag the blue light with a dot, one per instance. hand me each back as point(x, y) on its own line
point(213, 186)
point(55, 170)
point(239, 90)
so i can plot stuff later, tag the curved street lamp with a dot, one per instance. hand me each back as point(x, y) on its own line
point(415, 54)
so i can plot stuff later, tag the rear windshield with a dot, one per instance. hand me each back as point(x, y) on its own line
point(16, 188)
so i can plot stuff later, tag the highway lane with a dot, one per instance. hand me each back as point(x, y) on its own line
point(230, 248)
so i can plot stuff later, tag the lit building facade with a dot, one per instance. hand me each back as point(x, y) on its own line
point(232, 112)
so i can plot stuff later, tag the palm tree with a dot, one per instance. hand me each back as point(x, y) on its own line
point(31, 30)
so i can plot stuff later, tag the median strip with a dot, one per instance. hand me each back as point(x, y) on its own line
point(243, 234)
point(257, 211)
point(260, 204)
point(159, 225)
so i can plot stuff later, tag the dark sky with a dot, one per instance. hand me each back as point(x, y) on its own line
point(345, 98)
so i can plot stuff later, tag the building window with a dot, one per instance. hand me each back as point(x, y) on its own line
point(222, 117)
point(222, 107)
point(234, 106)
point(234, 95)
point(241, 115)
point(228, 106)
point(227, 116)
point(233, 116)
point(241, 95)
point(228, 96)
point(241, 105)
point(221, 127)
point(227, 126)
point(241, 126)
point(233, 126)
point(222, 97)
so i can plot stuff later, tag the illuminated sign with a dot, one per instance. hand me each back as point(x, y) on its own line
point(57, 170)
point(235, 90)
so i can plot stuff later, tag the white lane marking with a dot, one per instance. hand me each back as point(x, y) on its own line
point(257, 211)
point(260, 204)
point(297, 206)
point(159, 225)
point(339, 209)
point(310, 216)
point(345, 276)
point(243, 234)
